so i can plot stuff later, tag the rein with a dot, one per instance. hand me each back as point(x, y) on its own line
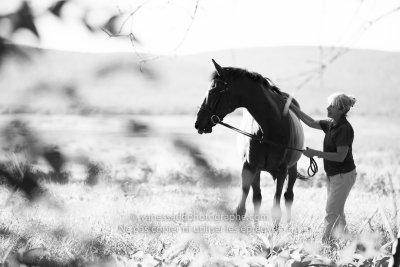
point(313, 167)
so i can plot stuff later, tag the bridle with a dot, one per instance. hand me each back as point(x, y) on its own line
point(212, 110)
point(215, 119)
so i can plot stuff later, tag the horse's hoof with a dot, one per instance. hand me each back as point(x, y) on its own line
point(240, 212)
point(276, 214)
point(288, 212)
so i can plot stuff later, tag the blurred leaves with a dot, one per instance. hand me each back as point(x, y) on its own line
point(57, 7)
point(88, 26)
point(94, 173)
point(198, 158)
point(8, 50)
point(130, 67)
point(210, 174)
point(136, 127)
point(22, 18)
point(24, 180)
point(22, 139)
point(54, 158)
point(25, 19)
point(111, 26)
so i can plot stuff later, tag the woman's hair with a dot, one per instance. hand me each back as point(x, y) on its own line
point(342, 101)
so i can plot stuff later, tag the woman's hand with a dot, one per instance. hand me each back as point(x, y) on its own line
point(286, 98)
point(309, 152)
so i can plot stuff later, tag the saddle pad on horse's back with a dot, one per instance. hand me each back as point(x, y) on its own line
point(296, 138)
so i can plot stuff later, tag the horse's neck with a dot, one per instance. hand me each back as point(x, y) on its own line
point(262, 105)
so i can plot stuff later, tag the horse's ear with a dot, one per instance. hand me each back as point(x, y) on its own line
point(218, 68)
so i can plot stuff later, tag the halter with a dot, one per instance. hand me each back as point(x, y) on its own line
point(313, 167)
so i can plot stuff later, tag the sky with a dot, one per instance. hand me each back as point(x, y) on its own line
point(192, 26)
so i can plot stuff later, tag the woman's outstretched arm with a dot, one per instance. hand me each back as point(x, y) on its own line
point(305, 118)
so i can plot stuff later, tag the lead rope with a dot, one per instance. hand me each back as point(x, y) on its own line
point(312, 168)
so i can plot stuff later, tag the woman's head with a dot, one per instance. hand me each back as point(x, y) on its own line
point(339, 104)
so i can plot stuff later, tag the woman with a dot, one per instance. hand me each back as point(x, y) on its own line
point(338, 158)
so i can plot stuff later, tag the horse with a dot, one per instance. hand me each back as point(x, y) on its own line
point(263, 105)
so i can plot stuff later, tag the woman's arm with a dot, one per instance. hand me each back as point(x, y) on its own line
point(338, 156)
point(305, 118)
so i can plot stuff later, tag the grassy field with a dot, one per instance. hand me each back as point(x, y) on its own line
point(167, 169)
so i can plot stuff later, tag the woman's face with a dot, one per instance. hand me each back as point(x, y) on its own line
point(334, 112)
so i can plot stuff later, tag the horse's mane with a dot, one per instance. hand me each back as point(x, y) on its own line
point(237, 73)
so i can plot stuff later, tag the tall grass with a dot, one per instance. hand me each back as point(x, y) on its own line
point(160, 170)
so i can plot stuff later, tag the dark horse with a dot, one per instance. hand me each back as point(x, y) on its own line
point(263, 105)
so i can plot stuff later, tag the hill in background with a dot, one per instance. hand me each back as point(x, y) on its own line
point(68, 82)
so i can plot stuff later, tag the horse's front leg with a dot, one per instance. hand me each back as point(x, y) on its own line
point(276, 212)
point(248, 174)
point(289, 195)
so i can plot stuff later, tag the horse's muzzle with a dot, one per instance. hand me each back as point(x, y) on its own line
point(202, 130)
point(196, 126)
point(203, 122)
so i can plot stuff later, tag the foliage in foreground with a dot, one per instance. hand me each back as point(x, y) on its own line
point(99, 214)
point(48, 231)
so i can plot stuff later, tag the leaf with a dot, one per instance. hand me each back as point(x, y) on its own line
point(9, 50)
point(111, 26)
point(54, 158)
point(137, 127)
point(26, 19)
point(194, 152)
point(265, 242)
point(386, 222)
point(384, 262)
point(88, 26)
point(34, 256)
point(86, 23)
point(93, 170)
point(23, 179)
point(57, 7)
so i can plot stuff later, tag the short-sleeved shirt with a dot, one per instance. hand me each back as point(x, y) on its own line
point(340, 134)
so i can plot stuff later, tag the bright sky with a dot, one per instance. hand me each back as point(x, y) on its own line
point(162, 25)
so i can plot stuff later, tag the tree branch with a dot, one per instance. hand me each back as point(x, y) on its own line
point(189, 27)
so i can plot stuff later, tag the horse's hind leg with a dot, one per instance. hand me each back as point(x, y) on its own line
point(289, 195)
point(257, 197)
point(248, 174)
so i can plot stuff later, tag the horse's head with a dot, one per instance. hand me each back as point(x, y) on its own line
point(216, 105)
